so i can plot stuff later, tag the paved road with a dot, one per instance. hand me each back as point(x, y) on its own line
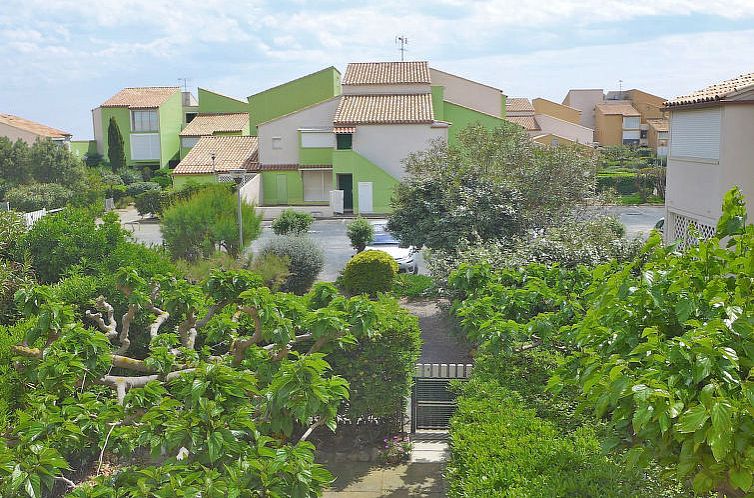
point(331, 234)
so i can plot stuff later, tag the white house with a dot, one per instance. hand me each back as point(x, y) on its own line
point(711, 150)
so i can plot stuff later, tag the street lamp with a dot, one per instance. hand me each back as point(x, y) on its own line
point(239, 176)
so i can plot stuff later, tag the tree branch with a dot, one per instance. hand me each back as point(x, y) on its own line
point(117, 360)
point(311, 429)
point(162, 316)
point(110, 327)
point(213, 309)
point(125, 342)
point(187, 330)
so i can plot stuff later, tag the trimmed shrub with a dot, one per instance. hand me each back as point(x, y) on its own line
point(360, 233)
point(623, 183)
point(291, 222)
point(273, 269)
point(370, 272)
point(136, 188)
point(380, 370)
point(37, 196)
point(163, 177)
point(306, 260)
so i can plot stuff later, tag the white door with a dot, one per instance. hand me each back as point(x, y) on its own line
point(336, 201)
point(365, 197)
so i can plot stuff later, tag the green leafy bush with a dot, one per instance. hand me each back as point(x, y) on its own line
point(149, 202)
point(163, 177)
point(11, 385)
point(623, 183)
point(369, 272)
point(306, 260)
point(273, 269)
point(360, 233)
point(129, 175)
point(36, 196)
point(136, 188)
point(292, 222)
point(414, 286)
point(207, 222)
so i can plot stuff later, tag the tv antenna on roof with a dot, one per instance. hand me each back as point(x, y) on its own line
point(620, 86)
point(185, 83)
point(403, 40)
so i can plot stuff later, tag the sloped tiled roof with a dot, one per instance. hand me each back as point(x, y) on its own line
point(517, 104)
point(142, 97)
point(384, 109)
point(208, 124)
point(230, 153)
point(659, 124)
point(718, 91)
point(386, 73)
point(621, 108)
point(33, 127)
point(527, 122)
point(292, 167)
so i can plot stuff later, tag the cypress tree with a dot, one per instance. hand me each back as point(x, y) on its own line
point(116, 151)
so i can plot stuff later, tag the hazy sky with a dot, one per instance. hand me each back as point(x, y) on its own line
point(61, 58)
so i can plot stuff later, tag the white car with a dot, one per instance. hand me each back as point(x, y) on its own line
point(404, 256)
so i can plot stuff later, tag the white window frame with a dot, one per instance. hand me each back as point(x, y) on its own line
point(152, 146)
point(145, 121)
point(323, 194)
point(631, 122)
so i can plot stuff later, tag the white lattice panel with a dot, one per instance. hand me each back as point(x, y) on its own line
point(689, 231)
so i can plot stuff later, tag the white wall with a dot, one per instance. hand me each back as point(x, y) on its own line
point(566, 129)
point(286, 127)
point(14, 134)
point(98, 131)
point(387, 145)
point(585, 100)
point(737, 151)
point(468, 93)
point(385, 89)
point(251, 192)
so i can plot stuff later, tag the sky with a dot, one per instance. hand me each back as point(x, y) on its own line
point(62, 58)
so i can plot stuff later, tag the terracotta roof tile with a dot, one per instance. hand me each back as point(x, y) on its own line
point(292, 167)
point(344, 129)
point(526, 122)
point(141, 98)
point(208, 124)
point(715, 92)
point(518, 104)
point(384, 109)
point(230, 153)
point(659, 124)
point(621, 108)
point(33, 127)
point(387, 73)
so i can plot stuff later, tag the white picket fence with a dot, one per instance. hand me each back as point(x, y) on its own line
point(34, 216)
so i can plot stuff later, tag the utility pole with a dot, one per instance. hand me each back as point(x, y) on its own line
point(403, 40)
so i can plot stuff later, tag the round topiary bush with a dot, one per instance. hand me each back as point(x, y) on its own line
point(306, 260)
point(369, 272)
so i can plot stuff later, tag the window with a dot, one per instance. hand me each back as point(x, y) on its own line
point(144, 121)
point(190, 117)
point(631, 123)
point(277, 143)
point(345, 141)
point(695, 133)
point(145, 146)
point(662, 135)
point(317, 139)
point(317, 185)
point(188, 142)
point(644, 133)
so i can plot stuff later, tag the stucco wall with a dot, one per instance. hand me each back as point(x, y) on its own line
point(460, 117)
point(385, 89)
point(99, 136)
point(585, 100)
point(566, 129)
point(560, 111)
point(363, 170)
point(388, 145)
point(286, 127)
point(214, 102)
point(737, 151)
point(469, 93)
point(608, 128)
point(14, 134)
point(171, 120)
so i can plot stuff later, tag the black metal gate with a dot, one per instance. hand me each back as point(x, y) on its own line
point(432, 401)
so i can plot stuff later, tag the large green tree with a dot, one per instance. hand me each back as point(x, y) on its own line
point(116, 151)
point(493, 184)
point(14, 161)
point(51, 163)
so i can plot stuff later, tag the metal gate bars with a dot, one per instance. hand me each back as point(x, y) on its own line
point(432, 401)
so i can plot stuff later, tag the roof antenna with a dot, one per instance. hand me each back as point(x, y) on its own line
point(620, 86)
point(403, 40)
point(185, 83)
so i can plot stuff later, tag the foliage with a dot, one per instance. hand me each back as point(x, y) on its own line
point(306, 260)
point(11, 387)
point(414, 286)
point(273, 269)
point(15, 162)
point(136, 188)
point(129, 175)
point(395, 450)
point(380, 369)
point(369, 272)
point(666, 351)
point(35, 196)
point(221, 407)
point(291, 222)
point(207, 222)
point(149, 202)
point(491, 186)
point(51, 163)
point(622, 182)
point(163, 177)
point(116, 151)
point(360, 233)
point(624, 157)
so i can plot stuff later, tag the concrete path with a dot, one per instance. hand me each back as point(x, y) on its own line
point(366, 480)
point(440, 343)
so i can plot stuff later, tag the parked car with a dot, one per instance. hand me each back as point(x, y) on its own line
point(386, 242)
point(660, 226)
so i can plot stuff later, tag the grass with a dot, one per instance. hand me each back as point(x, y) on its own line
point(634, 199)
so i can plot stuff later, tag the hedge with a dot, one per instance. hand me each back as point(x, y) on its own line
point(622, 182)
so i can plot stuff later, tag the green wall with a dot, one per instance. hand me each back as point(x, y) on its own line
point(460, 117)
point(438, 94)
point(123, 117)
point(363, 170)
point(269, 188)
point(180, 181)
point(81, 148)
point(171, 121)
point(211, 102)
point(292, 96)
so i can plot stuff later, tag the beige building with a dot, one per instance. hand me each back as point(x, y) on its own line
point(617, 123)
point(584, 100)
point(711, 151)
point(560, 111)
point(548, 122)
point(16, 128)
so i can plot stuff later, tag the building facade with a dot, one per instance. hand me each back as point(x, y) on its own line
point(17, 128)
